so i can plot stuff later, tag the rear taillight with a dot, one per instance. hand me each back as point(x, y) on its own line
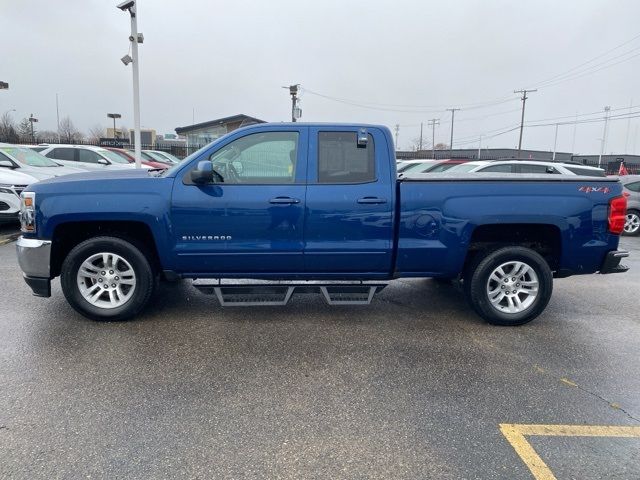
point(617, 214)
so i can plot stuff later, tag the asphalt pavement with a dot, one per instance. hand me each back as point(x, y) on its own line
point(413, 386)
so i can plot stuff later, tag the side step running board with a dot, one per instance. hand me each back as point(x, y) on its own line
point(254, 294)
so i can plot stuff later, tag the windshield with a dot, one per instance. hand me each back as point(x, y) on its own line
point(112, 156)
point(461, 167)
point(418, 167)
point(27, 156)
point(157, 157)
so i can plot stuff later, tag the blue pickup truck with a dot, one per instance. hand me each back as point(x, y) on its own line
point(314, 207)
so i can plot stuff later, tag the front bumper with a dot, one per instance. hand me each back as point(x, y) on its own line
point(34, 257)
point(612, 260)
point(9, 217)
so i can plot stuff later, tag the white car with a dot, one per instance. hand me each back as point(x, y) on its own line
point(404, 165)
point(25, 160)
point(163, 156)
point(11, 185)
point(527, 166)
point(87, 157)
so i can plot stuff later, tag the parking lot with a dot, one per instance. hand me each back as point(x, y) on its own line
point(413, 386)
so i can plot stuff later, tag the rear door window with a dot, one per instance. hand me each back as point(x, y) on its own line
point(498, 169)
point(587, 172)
point(341, 160)
point(531, 168)
point(62, 154)
point(634, 187)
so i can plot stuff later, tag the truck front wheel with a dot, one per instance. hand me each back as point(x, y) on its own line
point(509, 286)
point(107, 278)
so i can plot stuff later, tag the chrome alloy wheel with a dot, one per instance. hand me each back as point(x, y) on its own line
point(106, 280)
point(632, 223)
point(512, 287)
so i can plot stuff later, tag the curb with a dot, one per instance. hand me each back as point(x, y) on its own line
point(5, 239)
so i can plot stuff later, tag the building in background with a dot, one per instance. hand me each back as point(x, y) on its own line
point(205, 132)
point(147, 136)
point(120, 133)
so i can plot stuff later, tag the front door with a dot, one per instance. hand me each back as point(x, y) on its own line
point(250, 220)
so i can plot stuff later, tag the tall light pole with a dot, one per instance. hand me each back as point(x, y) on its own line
point(32, 120)
point(479, 147)
point(603, 142)
point(524, 101)
point(135, 38)
point(453, 112)
point(114, 116)
point(397, 129)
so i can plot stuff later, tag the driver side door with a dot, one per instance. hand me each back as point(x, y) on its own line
point(249, 221)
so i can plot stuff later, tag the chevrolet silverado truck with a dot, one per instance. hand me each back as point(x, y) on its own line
point(301, 208)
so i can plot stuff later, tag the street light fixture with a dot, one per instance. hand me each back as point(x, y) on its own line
point(114, 116)
point(4, 86)
point(135, 38)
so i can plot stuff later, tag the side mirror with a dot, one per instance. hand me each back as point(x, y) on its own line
point(103, 161)
point(551, 169)
point(7, 164)
point(203, 173)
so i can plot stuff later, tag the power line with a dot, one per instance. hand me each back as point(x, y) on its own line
point(597, 57)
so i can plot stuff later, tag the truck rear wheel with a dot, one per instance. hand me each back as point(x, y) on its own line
point(509, 286)
point(107, 278)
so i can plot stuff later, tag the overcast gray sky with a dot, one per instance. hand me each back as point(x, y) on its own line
point(222, 58)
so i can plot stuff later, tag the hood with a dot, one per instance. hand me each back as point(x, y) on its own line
point(40, 173)
point(11, 177)
point(50, 172)
point(99, 176)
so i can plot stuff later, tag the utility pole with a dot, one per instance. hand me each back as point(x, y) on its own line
point(555, 143)
point(32, 120)
point(432, 123)
point(58, 117)
point(397, 129)
point(603, 142)
point(573, 142)
point(626, 139)
point(479, 147)
point(524, 101)
point(420, 147)
point(453, 112)
point(295, 111)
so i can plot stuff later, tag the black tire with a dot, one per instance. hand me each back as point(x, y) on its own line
point(477, 278)
point(637, 232)
point(144, 276)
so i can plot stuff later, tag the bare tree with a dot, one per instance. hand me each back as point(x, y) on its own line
point(68, 132)
point(124, 133)
point(24, 129)
point(47, 136)
point(441, 146)
point(96, 133)
point(8, 131)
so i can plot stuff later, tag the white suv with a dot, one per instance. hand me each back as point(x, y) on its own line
point(527, 166)
point(87, 157)
point(11, 185)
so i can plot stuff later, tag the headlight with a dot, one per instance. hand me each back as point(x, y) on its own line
point(28, 212)
point(5, 189)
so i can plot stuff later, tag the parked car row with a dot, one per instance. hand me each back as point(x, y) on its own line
point(410, 167)
point(23, 165)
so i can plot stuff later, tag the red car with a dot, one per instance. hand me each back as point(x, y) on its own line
point(130, 158)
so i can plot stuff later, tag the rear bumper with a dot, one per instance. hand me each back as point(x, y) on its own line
point(612, 260)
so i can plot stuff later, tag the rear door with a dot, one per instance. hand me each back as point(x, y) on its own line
point(63, 156)
point(350, 200)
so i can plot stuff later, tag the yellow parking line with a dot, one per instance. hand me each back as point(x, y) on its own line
point(515, 434)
